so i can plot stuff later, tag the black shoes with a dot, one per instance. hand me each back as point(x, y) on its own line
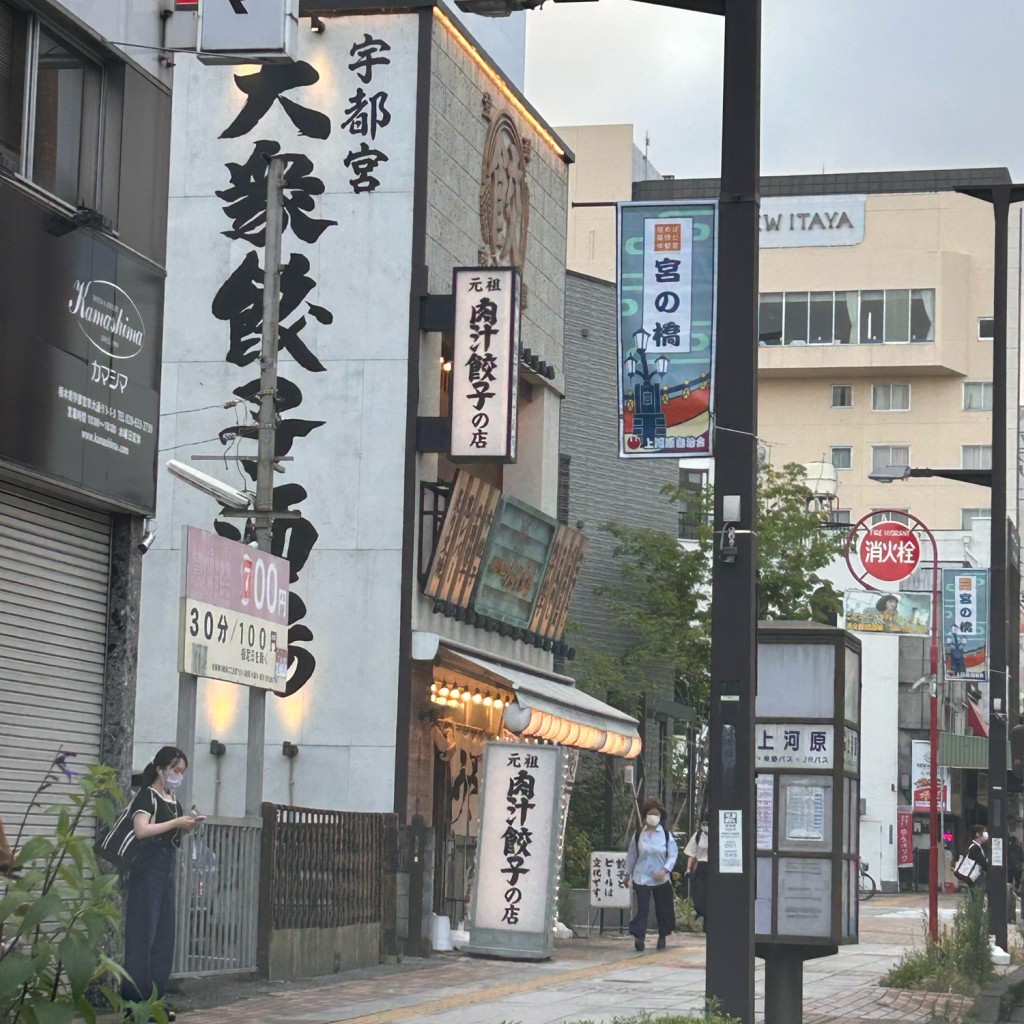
point(661, 942)
point(638, 945)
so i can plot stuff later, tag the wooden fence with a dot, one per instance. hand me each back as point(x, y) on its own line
point(326, 870)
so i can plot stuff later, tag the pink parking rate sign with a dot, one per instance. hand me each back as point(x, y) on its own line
point(889, 552)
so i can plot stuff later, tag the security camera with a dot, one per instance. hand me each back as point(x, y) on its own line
point(148, 536)
point(224, 493)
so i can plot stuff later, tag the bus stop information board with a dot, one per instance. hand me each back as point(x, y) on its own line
point(234, 612)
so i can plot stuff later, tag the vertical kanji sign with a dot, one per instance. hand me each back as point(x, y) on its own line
point(517, 856)
point(485, 364)
point(609, 886)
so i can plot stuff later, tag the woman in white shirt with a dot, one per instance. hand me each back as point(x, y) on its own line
point(696, 853)
point(649, 862)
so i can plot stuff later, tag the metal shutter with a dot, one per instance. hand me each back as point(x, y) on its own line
point(54, 581)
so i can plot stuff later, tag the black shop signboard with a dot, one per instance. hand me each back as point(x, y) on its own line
point(81, 325)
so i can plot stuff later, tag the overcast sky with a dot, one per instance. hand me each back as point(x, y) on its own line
point(847, 85)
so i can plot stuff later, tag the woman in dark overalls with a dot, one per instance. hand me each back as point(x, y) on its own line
point(158, 822)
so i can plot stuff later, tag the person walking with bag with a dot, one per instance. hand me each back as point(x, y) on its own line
point(973, 864)
point(652, 855)
point(157, 821)
point(697, 871)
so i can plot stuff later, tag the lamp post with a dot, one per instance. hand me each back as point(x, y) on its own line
point(730, 948)
point(648, 415)
point(1000, 604)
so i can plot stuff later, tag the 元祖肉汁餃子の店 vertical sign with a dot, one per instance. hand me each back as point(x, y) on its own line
point(485, 364)
point(667, 283)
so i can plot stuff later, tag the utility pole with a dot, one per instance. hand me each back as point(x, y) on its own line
point(730, 944)
point(266, 455)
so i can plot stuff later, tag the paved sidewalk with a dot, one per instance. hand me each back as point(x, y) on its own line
point(597, 980)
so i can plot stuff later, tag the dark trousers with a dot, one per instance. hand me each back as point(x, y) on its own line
point(664, 911)
point(149, 924)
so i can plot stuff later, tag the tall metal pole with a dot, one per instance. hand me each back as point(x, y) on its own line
point(998, 709)
point(730, 941)
point(933, 747)
point(265, 455)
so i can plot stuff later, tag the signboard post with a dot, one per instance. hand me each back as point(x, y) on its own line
point(808, 806)
point(513, 903)
point(233, 623)
point(889, 551)
point(234, 612)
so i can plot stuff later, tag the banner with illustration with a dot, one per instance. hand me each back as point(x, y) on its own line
point(900, 612)
point(965, 624)
point(666, 293)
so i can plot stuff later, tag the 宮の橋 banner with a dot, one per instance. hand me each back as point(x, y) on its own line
point(965, 623)
point(667, 258)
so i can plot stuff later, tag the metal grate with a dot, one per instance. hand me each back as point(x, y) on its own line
point(218, 892)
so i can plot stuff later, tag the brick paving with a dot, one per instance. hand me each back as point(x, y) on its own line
point(594, 979)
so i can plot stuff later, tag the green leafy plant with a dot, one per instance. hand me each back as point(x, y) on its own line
point(58, 911)
point(712, 1015)
point(959, 961)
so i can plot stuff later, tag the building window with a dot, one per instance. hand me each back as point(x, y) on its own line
point(986, 328)
point(65, 103)
point(840, 516)
point(885, 455)
point(967, 514)
point(978, 396)
point(842, 457)
point(690, 507)
point(769, 319)
point(893, 316)
point(890, 397)
point(890, 516)
point(13, 38)
point(562, 510)
point(842, 396)
point(976, 456)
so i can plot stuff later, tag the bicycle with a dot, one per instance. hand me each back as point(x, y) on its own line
point(866, 887)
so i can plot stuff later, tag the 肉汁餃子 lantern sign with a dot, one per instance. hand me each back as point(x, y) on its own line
point(890, 552)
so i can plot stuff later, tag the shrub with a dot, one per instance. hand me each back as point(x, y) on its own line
point(58, 911)
point(960, 961)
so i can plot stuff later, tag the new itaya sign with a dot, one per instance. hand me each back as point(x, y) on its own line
point(889, 552)
point(234, 612)
point(484, 384)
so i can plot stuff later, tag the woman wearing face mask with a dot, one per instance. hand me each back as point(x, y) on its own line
point(649, 862)
point(158, 822)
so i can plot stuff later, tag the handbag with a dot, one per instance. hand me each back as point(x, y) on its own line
point(967, 869)
point(118, 845)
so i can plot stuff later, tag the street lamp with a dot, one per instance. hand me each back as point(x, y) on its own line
point(890, 474)
point(730, 941)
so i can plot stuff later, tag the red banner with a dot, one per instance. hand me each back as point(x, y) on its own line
point(904, 839)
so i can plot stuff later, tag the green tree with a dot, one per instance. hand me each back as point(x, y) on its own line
point(662, 600)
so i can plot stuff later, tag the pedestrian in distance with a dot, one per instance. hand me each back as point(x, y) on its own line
point(649, 861)
point(974, 863)
point(1014, 862)
point(158, 822)
point(697, 871)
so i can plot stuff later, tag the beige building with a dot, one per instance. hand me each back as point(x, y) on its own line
point(875, 321)
point(607, 164)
